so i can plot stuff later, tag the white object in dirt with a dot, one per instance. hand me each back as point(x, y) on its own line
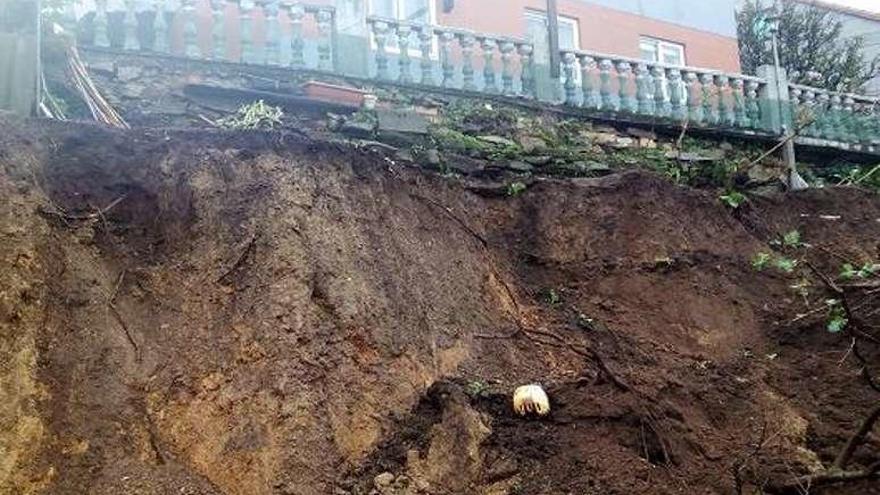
point(796, 182)
point(531, 399)
point(370, 102)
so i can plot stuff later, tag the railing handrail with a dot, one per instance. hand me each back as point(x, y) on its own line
point(438, 29)
point(854, 96)
point(683, 68)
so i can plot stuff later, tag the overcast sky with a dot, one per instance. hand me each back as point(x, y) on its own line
point(869, 5)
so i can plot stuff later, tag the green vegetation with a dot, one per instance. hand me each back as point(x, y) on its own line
point(733, 199)
point(256, 115)
point(515, 189)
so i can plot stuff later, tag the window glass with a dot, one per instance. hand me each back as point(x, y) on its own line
point(415, 10)
point(673, 54)
point(383, 8)
point(648, 51)
point(567, 34)
point(653, 50)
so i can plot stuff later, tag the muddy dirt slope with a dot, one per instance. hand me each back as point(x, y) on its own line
point(189, 312)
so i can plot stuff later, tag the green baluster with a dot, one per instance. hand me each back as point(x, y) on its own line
point(273, 35)
point(190, 33)
point(643, 95)
point(130, 22)
point(160, 28)
point(707, 83)
point(623, 97)
point(693, 98)
point(677, 96)
point(426, 44)
point(726, 114)
point(246, 22)
point(101, 39)
point(506, 67)
point(218, 31)
point(661, 91)
point(740, 115)
point(568, 63)
point(605, 66)
point(404, 62)
point(527, 71)
point(588, 64)
point(296, 12)
point(324, 20)
point(753, 107)
point(488, 46)
point(380, 34)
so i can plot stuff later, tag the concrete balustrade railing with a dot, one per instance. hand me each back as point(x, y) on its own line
point(225, 19)
point(836, 119)
point(620, 85)
point(289, 33)
point(451, 58)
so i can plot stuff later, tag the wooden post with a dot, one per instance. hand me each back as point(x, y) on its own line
point(553, 28)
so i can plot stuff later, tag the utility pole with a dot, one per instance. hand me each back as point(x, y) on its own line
point(553, 29)
point(795, 181)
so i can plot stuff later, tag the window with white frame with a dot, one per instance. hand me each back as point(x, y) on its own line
point(410, 11)
point(537, 29)
point(664, 52)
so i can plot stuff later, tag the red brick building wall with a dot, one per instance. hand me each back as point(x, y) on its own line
point(601, 29)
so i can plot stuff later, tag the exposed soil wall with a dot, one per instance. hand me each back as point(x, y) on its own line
point(253, 313)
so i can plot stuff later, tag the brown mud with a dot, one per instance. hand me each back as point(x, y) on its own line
point(199, 312)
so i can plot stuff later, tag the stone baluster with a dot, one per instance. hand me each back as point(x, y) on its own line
point(447, 64)
point(273, 34)
point(809, 99)
point(404, 62)
point(643, 91)
point(588, 64)
point(848, 123)
point(835, 120)
point(726, 115)
point(467, 42)
point(824, 126)
point(693, 97)
point(101, 39)
point(707, 83)
point(661, 103)
point(605, 93)
point(218, 28)
point(296, 13)
point(160, 27)
point(190, 30)
point(507, 48)
point(426, 45)
point(794, 104)
point(246, 23)
point(569, 61)
point(380, 33)
point(753, 108)
point(130, 24)
point(258, 49)
point(624, 100)
point(740, 116)
point(488, 45)
point(677, 96)
point(527, 69)
point(324, 20)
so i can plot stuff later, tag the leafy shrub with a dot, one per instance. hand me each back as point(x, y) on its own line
point(256, 115)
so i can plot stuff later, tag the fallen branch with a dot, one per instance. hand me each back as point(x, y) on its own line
point(241, 257)
point(856, 439)
point(96, 214)
point(799, 484)
point(111, 305)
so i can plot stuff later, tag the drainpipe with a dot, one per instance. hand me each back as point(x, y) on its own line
point(553, 28)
